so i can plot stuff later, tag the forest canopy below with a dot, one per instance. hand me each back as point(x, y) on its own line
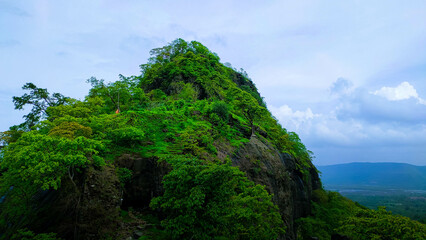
point(189, 113)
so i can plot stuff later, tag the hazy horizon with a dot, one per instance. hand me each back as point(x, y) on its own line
point(370, 162)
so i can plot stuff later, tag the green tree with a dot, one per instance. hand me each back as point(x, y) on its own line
point(206, 200)
point(39, 162)
point(123, 94)
point(43, 160)
point(328, 210)
point(10, 135)
point(40, 99)
point(381, 225)
point(248, 107)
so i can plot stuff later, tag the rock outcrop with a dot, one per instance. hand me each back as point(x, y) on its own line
point(261, 161)
point(85, 208)
point(277, 171)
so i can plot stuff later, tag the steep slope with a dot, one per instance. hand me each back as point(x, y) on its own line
point(185, 111)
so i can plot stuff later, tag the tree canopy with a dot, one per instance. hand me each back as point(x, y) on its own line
point(207, 200)
point(40, 99)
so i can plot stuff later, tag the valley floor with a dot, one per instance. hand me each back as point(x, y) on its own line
point(409, 203)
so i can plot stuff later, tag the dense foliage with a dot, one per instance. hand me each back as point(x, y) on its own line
point(381, 224)
point(335, 214)
point(209, 200)
point(181, 111)
point(409, 204)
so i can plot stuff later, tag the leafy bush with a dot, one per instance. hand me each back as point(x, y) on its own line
point(327, 212)
point(335, 214)
point(70, 130)
point(206, 200)
point(221, 109)
point(42, 160)
point(381, 224)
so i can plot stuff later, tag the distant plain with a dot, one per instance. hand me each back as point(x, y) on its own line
point(398, 187)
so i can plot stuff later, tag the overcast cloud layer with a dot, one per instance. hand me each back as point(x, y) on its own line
point(348, 76)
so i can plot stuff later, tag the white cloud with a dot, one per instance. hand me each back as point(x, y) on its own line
point(359, 125)
point(341, 87)
point(292, 119)
point(401, 92)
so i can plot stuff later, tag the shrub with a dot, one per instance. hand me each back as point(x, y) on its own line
point(221, 109)
point(206, 200)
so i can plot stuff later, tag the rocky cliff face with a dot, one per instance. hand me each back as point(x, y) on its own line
point(85, 208)
point(146, 180)
point(94, 209)
point(277, 171)
point(261, 161)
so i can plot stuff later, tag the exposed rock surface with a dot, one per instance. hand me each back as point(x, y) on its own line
point(94, 210)
point(263, 164)
point(100, 203)
point(85, 208)
point(277, 171)
point(146, 180)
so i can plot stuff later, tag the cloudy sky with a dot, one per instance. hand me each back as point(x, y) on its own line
point(348, 76)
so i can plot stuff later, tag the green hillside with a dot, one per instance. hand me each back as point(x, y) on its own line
point(186, 150)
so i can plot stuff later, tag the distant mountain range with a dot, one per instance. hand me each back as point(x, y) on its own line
point(382, 175)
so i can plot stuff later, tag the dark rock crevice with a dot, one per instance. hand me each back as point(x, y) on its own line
point(85, 208)
point(146, 181)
